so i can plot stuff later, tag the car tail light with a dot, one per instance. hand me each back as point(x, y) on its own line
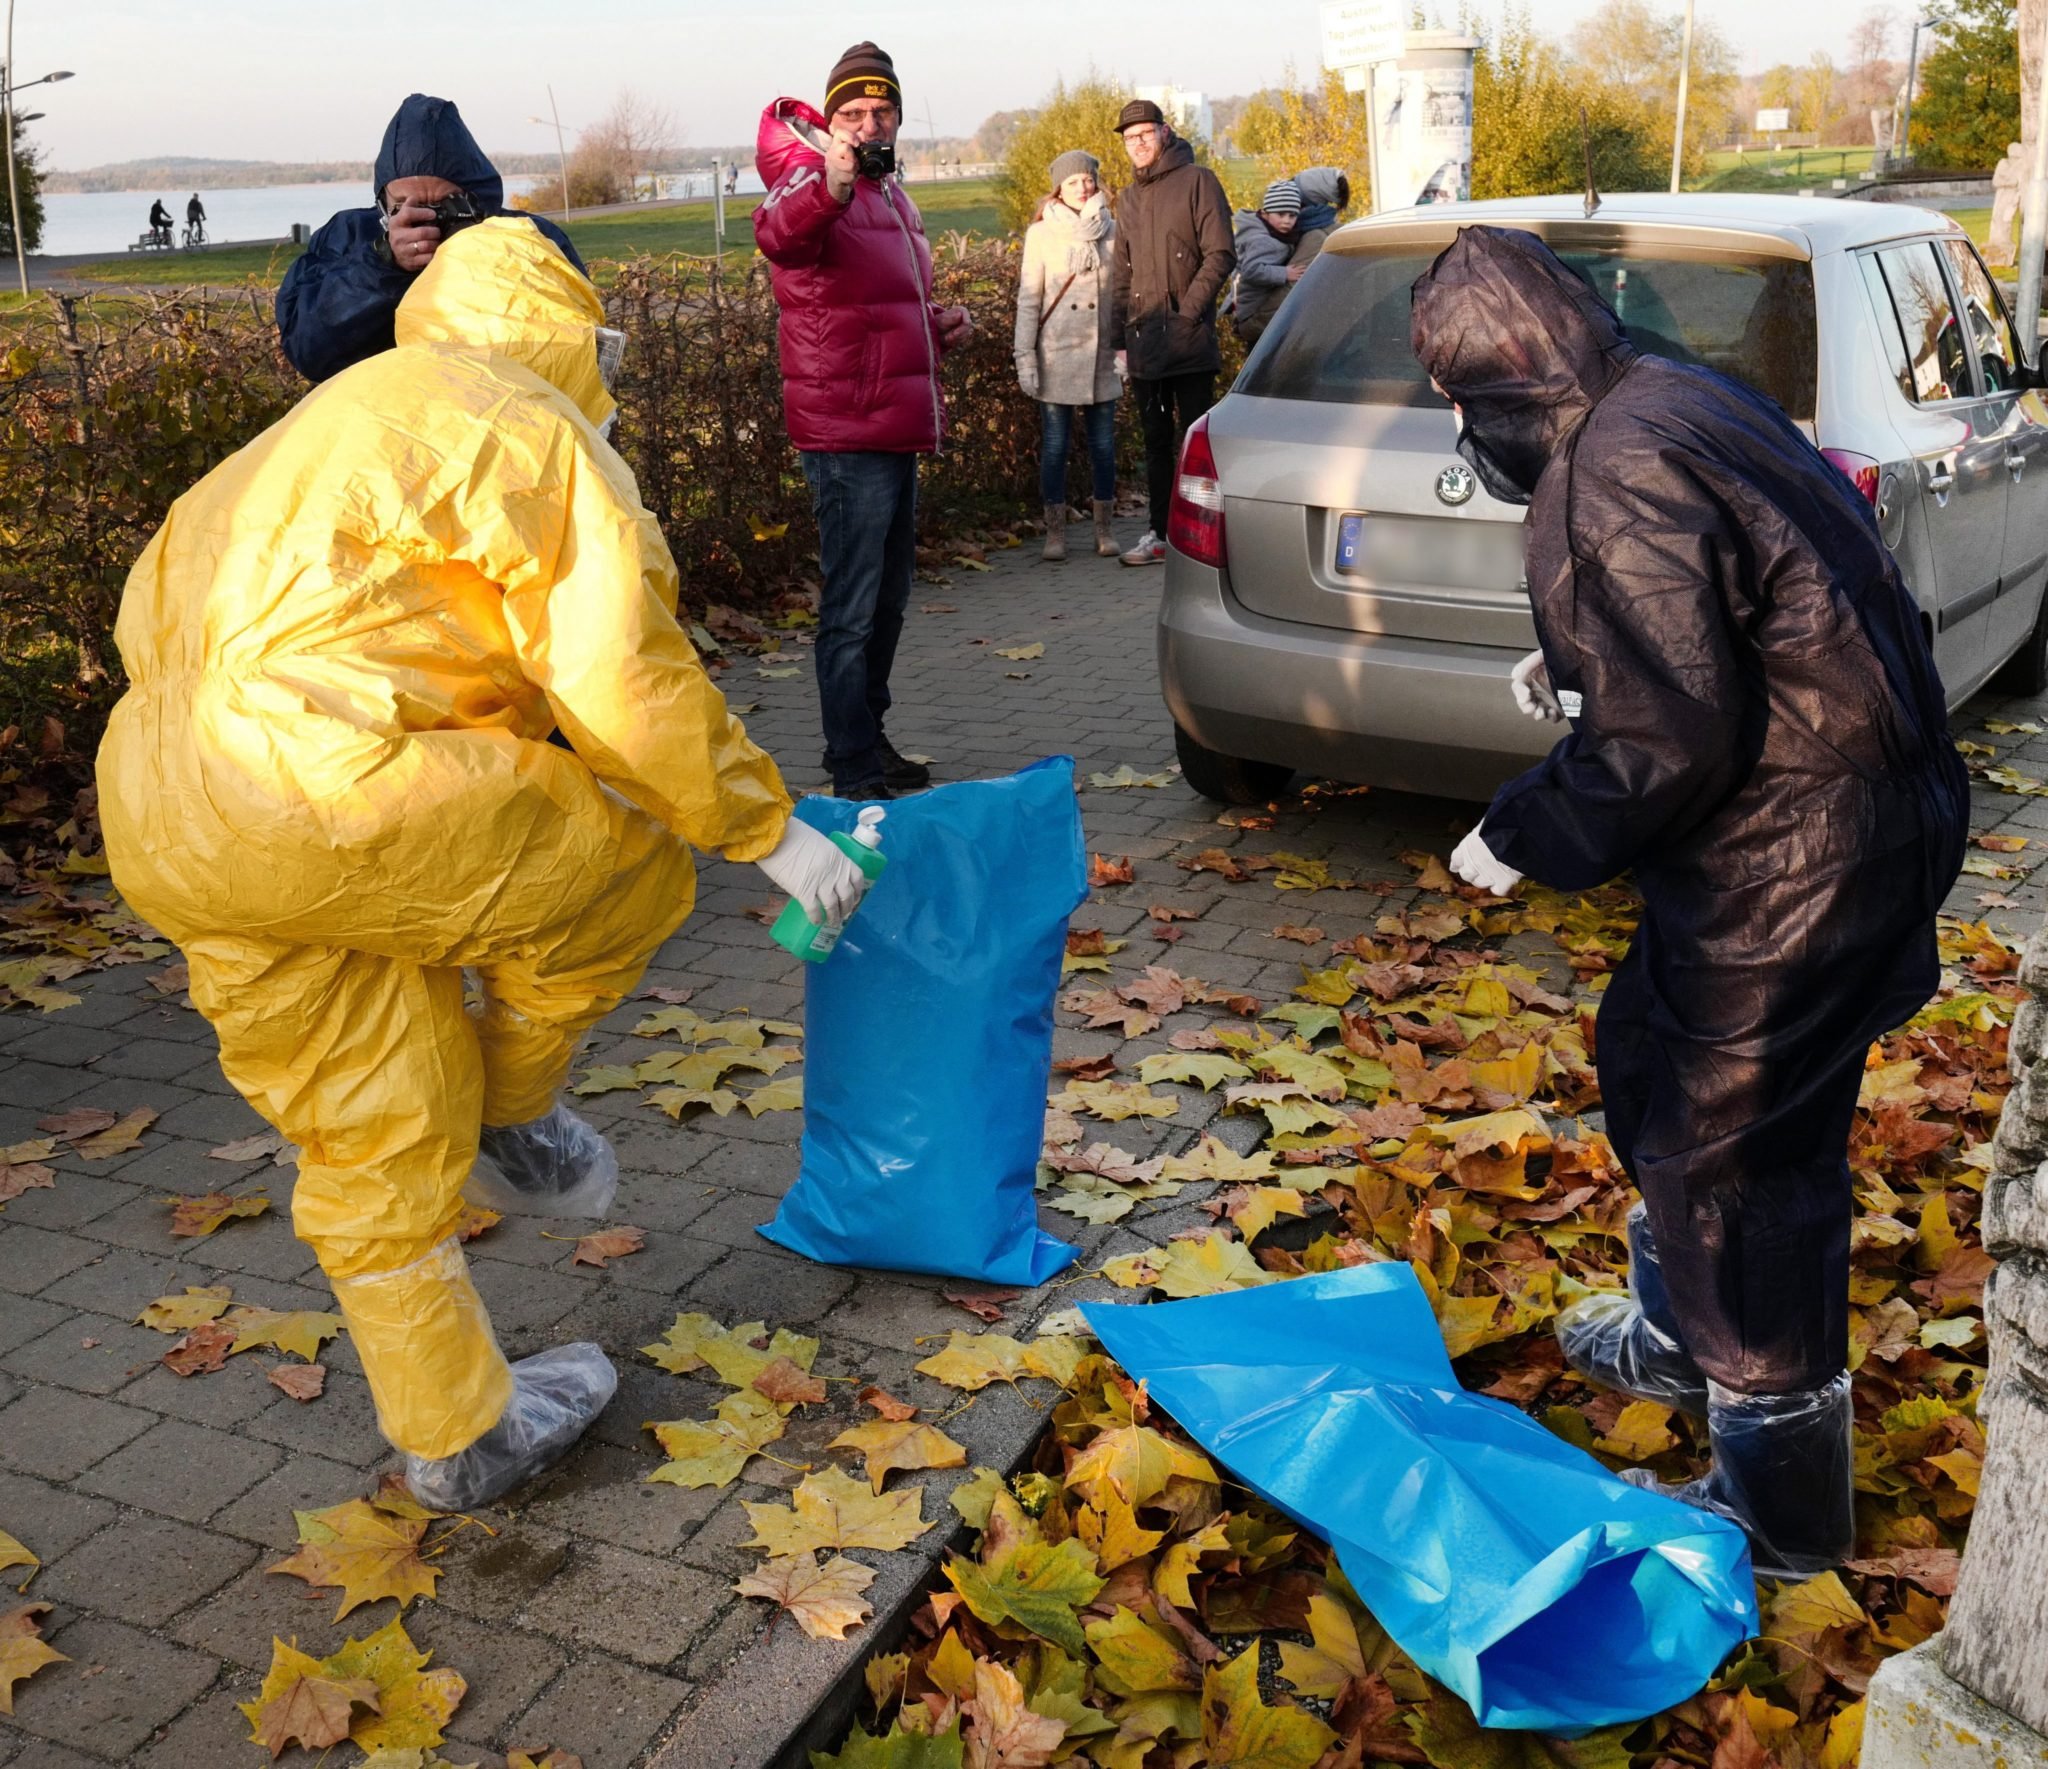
point(1861, 471)
point(1194, 520)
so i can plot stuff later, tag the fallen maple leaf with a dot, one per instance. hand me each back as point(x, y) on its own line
point(713, 1452)
point(22, 1650)
point(1003, 1731)
point(1239, 1730)
point(1306, 936)
point(264, 1145)
point(81, 1121)
point(973, 1360)
point(365, 1550)
point(302, 1382)
point(514, 1759)
point(1086, 1068)
point(825, 1600)
point(608, 1244)
point(173, 979)
point(1021, 653)
point(12, 1553)
point(180, 1314)
point(301, 1704)
point(881, 1400)
point(417, 1702)
point(829, 1509)
point(300, 1332)
point(201, 1351)
point(984, 1305)
point(787, 1385)
point(203, 1214)
point(887, 1444)
point(20, 1171)
point(1035, 1585)
point(674, 997)
point(118, 1138)
point(1103, 872)
point(474, 1220)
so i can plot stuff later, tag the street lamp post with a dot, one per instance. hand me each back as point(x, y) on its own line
point(1678, 127)
point(561, 153)
point(7, 91)
point(2034, 227)
point(1905, 142)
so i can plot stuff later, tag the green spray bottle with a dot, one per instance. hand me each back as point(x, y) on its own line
point(794, 931)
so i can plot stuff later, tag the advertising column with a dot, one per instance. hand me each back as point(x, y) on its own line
point(1422, 121)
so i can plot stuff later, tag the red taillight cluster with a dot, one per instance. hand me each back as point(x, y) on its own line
point(1861, 471)
point(1194, 520)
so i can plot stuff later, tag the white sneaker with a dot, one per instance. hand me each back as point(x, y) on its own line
point(1150, 550)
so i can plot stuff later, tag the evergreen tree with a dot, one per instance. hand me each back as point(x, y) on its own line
point(28, 191)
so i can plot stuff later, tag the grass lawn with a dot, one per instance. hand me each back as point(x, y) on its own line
point(966, 204)
point(233, 264)
point(1974, 222)
point(1789, 169)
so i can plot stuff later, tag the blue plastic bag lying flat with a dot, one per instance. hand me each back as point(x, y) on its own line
point(1511, 1567)
point(928, 1036)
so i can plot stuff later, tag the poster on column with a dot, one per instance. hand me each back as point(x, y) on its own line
point(1423, 109)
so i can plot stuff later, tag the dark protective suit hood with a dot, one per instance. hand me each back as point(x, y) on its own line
point(427, 138)
point(1521, 343)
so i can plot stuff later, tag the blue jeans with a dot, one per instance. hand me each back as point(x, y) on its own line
point(866, 505)
point(1052, 456)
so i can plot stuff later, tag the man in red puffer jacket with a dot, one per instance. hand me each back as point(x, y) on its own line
point(861, 340)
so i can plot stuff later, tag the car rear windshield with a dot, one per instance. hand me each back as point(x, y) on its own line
point(1342, 336)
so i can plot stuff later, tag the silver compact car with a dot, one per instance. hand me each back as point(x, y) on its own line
point(1342, 596)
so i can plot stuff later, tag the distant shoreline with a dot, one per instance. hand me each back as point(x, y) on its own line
point(174, 172)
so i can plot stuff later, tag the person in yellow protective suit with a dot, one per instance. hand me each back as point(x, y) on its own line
point(330, 783)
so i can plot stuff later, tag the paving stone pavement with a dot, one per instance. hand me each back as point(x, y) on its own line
point(597, 1613)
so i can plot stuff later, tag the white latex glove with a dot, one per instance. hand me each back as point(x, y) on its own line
point(1027, 375)
point(1530, 685)
point(1123, 365)
point(807, 866)
point(1473, 861)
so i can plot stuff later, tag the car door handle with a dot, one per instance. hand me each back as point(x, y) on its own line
point(1940, 480)
point(2016, 464)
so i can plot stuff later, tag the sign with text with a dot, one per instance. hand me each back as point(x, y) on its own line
point(1358, 32)
point(1774, 122)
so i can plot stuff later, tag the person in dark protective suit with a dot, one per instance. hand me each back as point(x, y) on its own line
point(338, 301)
point(1758, 734)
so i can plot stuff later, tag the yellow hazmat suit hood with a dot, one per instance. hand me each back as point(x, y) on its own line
point(504, 289)
point(330, 779)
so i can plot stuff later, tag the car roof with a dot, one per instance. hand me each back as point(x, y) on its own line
point(1807, 227)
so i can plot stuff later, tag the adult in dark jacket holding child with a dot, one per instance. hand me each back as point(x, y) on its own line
point(1173, 256)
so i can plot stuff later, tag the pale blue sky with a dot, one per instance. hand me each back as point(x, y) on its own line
point(307, 79)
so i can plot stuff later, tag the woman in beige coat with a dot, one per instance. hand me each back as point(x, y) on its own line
point(1064, 357)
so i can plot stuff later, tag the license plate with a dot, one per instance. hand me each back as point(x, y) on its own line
point(1351, 543)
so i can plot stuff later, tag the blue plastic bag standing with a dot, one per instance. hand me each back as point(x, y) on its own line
point(928, 1036)
point(1510, 1566)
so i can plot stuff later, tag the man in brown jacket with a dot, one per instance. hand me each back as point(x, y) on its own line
point(1173, 256)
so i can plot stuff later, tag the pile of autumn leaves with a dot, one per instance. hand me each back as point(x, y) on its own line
point(1127, 1604)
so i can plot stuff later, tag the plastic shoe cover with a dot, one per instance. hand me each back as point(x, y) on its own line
point(1783, 1469)
point(1609, 1340)
point(1631, 1343)
point(555, 1396)
point(556, 1166)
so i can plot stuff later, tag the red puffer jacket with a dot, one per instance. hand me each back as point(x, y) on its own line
point(860, 338)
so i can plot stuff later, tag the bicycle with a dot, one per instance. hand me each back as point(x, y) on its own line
point(193, 237)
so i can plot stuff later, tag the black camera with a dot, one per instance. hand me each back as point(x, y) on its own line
point(454, 213)
point(874, 159)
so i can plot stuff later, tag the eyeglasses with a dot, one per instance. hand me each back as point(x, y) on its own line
point(860, 113)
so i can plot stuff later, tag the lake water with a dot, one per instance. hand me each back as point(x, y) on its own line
point(106, 221)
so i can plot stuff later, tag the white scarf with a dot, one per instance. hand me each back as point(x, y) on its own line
point(1082, 229)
